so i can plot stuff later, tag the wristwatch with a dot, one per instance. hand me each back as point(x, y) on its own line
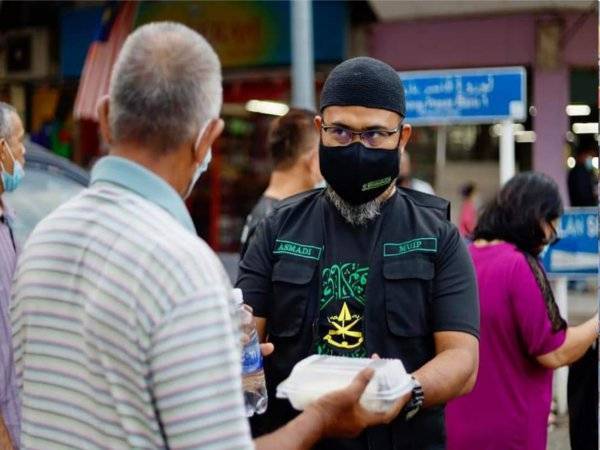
point(416, 400)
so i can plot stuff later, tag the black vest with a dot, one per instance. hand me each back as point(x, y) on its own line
point(396, 317)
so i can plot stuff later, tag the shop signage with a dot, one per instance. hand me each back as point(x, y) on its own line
point(254, 33)
point(576, 254)
point(465, 96)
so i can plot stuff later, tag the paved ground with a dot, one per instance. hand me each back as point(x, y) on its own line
point(558, 438)
point(581, 307)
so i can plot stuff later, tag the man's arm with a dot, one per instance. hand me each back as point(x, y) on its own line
point(337, 414)
point(453, 371)
point(261, 328)
point(5, 442)
point(455, 316)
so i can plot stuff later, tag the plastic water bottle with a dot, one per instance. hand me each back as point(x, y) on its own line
point(253, 375)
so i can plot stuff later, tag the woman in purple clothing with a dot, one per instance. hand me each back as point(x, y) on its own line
point(523, 337)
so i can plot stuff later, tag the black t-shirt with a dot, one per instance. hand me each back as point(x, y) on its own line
point(582, 186)
point(262, 209)
point(344, 274)
point(326, 286)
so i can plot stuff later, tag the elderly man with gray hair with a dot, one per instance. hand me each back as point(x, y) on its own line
point(12, 159)
point(124, 331)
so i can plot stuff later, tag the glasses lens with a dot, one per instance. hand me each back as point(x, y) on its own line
point(339, 135)
point(373, 138)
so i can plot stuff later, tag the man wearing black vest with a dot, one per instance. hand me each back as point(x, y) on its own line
point(364, 267)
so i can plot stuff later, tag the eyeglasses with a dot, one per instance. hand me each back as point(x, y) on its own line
point(371, 138)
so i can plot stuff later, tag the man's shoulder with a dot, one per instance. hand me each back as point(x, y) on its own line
point(299, 200)
point(294, 213)
point(425, 201)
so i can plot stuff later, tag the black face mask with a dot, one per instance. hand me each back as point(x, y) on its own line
point(357, 173)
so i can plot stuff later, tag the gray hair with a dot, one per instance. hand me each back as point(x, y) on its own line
point(356, 215)
point(166, 84)
point(6, 123)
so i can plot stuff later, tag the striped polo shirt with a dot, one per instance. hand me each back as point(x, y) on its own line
point(124, 332)
point(9, 404)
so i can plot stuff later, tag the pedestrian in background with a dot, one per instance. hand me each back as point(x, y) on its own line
point(406, 179)
point(523, 336)
point(124, 328)
point(293, 144)
point(468, 211)
point(12, 159)
point(582, 181)
point(582, 386)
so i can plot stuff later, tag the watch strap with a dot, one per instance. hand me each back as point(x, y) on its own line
point(416, 400)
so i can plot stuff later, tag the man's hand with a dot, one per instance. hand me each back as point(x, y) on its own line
point(5, 442)
point(338, 414)
point(343, 416)
point(267, 348)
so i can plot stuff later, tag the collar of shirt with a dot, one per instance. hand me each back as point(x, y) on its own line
point(138, 179)
point(6, 214)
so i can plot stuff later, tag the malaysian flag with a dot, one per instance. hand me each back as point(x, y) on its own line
point(117, 21)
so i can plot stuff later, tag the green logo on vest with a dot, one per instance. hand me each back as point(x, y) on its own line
point(376, 184)
point(295, 249)
point(426, 245)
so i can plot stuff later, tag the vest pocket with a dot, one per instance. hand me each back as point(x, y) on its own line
point(291, 285)
point(407, 285)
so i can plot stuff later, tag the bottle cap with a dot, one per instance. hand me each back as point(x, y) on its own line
point(238, 296)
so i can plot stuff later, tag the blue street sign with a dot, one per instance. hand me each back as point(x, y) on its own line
point(465, 96)
point(576, 254)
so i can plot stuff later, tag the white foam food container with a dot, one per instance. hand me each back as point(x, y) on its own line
point(318, 375)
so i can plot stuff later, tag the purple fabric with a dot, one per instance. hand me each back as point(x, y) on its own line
point(9, 406)
point(509, 406)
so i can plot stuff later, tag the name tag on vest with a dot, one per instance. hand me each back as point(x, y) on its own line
point(297, 249)
point(424, 245)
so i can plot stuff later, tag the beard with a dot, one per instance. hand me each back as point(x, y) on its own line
point(357, 215)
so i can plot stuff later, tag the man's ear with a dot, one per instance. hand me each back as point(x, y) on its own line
point(103, 110)
point(318, 122)
point(206, 137)
point(405, 136)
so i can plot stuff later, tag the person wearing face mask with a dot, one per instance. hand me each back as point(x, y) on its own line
point(125, 329)
point(293, 144)
point(12, 159)
point(364, 267)
point(467, 218)
point(582, 181)
point(582, 390)
point(523, 336)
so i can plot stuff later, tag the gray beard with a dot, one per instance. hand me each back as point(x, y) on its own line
point(356, 215)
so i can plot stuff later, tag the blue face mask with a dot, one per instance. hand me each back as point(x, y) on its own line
point(10, 182)
point(203, 167)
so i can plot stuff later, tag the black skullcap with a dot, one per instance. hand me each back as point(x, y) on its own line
point(364, 82)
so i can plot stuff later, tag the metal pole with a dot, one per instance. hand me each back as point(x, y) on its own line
point(561, 375)
point(507, 152)
point(440, 150)
point(303, 67)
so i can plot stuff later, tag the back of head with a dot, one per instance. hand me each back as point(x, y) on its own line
point(467, 189)
point(516, 214)
point(586, 145)
point(291, 136)
point(166, 84)
point(6, 120)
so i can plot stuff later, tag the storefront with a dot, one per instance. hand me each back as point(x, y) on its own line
point(559, 52)
point(252, 40)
